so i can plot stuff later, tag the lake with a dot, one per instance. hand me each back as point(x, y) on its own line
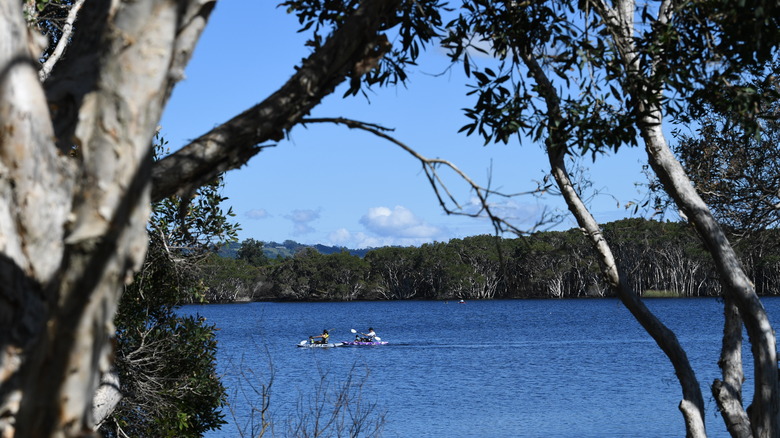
point(503, 368)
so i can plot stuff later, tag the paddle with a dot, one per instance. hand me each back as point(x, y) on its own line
point(375, 337)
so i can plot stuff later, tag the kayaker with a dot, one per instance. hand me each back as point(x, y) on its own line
point(369, 337)
point(324, 337)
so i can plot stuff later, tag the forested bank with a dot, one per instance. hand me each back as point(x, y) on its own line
point(659, 258)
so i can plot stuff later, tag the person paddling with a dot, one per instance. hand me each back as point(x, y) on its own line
point(370, 336)
point(324, 337)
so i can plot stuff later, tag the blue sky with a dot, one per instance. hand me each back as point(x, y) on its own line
point(335, 186)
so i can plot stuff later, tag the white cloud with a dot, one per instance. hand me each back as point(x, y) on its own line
point(388, 227)
point(399, 226)
point(301, 220)
point(343, 237)
point(340, 237)
point(398, 222)
point(257, 214)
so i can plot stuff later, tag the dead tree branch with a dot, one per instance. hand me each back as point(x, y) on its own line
point(441, 190)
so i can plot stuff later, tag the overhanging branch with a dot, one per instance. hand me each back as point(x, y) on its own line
point(233, 143)
point(440, 189)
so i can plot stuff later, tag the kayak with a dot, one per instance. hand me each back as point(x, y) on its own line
point(306, 344)
point(360, 343)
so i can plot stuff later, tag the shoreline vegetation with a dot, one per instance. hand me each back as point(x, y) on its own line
point(661, 259)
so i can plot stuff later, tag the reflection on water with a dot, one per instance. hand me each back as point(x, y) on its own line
point(538, 368)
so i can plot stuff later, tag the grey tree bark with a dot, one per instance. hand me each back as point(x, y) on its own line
point(76, 177)
point(77, 199)
point(692, 404)
point(738, 288)
point(728, 392)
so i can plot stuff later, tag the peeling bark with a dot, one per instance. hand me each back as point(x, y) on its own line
point(35, 196)
point(76, 176)
point(81, 212)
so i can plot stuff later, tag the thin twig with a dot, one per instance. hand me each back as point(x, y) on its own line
point(440, 189)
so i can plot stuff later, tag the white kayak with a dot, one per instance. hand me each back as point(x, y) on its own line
point(307, 344)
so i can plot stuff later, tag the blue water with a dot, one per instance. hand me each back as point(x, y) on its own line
point(525, 368)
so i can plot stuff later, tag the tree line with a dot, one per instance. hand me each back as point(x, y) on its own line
point(659, 259)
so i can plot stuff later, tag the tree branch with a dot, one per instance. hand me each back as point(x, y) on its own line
point(233, 143)
point(692, 405)
point(67, 30)
point(645, 102)
point(728, 392)
point(442, 192)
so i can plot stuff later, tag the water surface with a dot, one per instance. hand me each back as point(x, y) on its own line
point(504, 368)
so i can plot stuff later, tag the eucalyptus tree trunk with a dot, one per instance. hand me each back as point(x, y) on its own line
point(738, 289)
point(728, 392)
point(76, 176)
point(75, 199)
point(692, 404)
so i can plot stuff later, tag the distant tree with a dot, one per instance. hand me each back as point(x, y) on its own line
point(483, 261)
point(347, 277)
point(228, 279)
point(251, 251)
point(665, 256)
point(735, 163)
point(310, 275)
point(760, 255)
point(297, 277)
point(393, 272)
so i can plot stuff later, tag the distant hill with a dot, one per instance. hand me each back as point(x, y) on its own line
point(274, 250)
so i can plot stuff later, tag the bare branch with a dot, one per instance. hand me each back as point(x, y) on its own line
point(107, 397)
point(442, 192)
